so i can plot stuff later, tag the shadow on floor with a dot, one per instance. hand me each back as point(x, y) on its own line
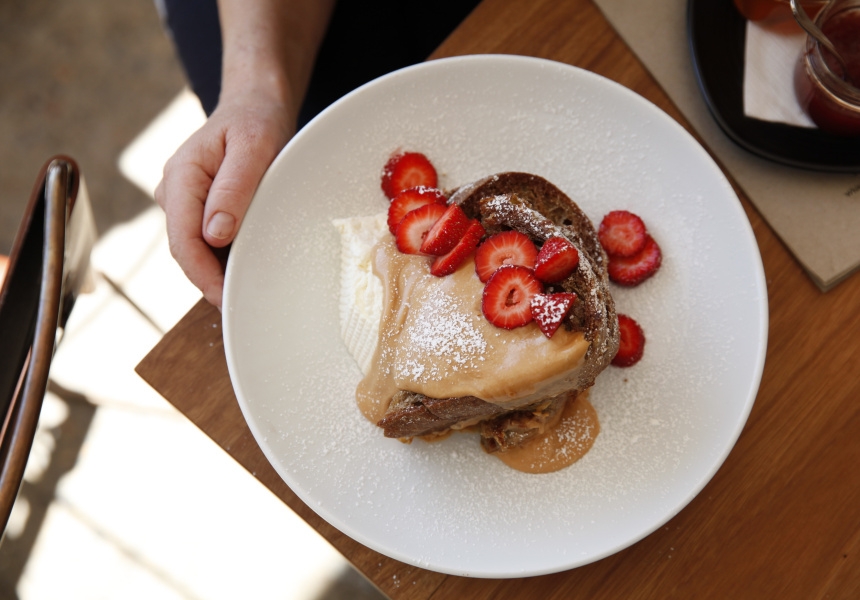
point(55, 452)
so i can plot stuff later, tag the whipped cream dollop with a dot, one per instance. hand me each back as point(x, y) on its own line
point(361, 291)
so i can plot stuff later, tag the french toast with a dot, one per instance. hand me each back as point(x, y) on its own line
point(535, 207)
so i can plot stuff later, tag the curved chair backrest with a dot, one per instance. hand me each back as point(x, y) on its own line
point(46, 270)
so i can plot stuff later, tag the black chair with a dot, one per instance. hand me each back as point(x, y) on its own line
point(46, 271)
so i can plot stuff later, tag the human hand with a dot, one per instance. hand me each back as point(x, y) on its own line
point(208, 184)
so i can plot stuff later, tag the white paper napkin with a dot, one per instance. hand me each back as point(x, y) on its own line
point(769, 65)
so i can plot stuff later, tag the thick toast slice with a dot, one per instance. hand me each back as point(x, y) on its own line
point(536, 207)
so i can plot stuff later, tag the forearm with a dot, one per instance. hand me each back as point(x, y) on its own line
point(270, 47)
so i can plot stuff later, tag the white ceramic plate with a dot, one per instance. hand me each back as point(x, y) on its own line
point(667, 423)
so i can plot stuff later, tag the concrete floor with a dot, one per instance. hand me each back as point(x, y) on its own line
point(123, 497)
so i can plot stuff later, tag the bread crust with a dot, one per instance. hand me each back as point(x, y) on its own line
point(534, 206)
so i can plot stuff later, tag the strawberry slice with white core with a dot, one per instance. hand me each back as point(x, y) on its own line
point(406, 170)
point(550, 310)
point(505, 248)
point(556, 260)
point(448, 263)
point(506, 301)
point(415, 225)
point(622, 233)
point(408, 200)
point(637, 268)
point(632, 344)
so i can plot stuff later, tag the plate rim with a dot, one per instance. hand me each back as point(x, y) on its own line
point(761, 339)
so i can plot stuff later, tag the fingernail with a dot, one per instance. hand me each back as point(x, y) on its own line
point(221, 225)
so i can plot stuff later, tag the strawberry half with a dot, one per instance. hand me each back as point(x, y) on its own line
point(408, 200)
point(406, 170)
point(415, 225)
point(448, 263)
point(622, 233)
point(637, 268)
point(632, 344)
point(550, 310)
point(446, 232)
point(506, 301)
point(505, 248)
point(556, 260)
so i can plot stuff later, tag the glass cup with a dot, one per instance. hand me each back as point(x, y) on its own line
point(829, 94)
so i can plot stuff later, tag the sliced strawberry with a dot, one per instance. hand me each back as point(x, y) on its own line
point(637, 268)
point(415, 225)
point(556, 260)
point(448, 263)
point(505, 248)
point(550, 310)
point(406, 170)
point(506, 301)
point(447, 231)
point(408, 200)
point(632, 344)
point(622, 233)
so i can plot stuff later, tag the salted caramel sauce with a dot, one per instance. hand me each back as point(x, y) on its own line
point(561, 444)
point(434, 340)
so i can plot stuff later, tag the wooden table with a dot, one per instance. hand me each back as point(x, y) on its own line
point(781, 518)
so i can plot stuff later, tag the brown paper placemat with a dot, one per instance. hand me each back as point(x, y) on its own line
point(817, 215)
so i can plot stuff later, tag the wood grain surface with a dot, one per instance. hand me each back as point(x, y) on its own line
point(781, 518)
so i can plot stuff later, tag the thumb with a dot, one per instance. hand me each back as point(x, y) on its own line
point(232, 190)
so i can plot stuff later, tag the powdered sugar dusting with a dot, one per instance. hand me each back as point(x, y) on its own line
point(547, 311)
point(452, 336)
point(575, 432)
